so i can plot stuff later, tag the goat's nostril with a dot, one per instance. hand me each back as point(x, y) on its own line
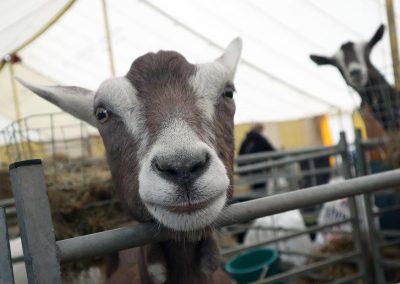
point(355, 72)
point(165, 168)
point(183, 169)
point(198, 166)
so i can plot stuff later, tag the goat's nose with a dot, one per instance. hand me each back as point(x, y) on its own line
point(181, 168)
point(355, 73)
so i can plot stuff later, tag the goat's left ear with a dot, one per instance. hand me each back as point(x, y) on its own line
point(377, 36)
point(74, 100)
point(230, 58)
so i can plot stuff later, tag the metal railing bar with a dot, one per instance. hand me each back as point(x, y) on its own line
point(390, 263)
point(280, 153)
point(316, 255)
point(386, 192)
point(394, 233)
point(390, 243)
point(243, 230)
point(138, 235)
point(11, 211)
point(262, 177)
point(283, 238)
point(310, 267)
point(8, 202)
point(372, 143)
point(285, 161)
point(318, 171)
point(387, 209)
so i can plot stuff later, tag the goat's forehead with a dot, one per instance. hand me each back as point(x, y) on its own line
point(350, 51)
point(163, 70)
point(350, 47)
point(159, 69)
point(166, 69)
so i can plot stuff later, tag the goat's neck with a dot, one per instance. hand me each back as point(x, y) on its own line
point(376, 86)
point(381, 97)
point(182, 261)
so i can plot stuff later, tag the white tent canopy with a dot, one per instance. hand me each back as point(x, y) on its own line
point(275, 81)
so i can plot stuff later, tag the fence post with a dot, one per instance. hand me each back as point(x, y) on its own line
point(34, 218)
point(347, 173)
point(373, 237)
point(6, 271)
point(361, 162)
point(361, 169)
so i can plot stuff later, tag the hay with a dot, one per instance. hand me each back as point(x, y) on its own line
point(5, 184)
point(392, 275)
point(83, 206)
point(332, 272)
point(82, 201)
point(81, 197)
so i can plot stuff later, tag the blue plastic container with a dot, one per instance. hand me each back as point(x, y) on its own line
point(248, 266)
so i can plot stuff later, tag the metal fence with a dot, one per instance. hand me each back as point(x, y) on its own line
point(43, 254)
point(336, 161)
point(378, 238)
point(66, 145)
point(36, 228)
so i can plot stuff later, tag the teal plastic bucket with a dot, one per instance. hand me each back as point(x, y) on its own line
point(248, 266)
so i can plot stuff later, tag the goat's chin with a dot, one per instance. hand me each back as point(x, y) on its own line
point(187, 218)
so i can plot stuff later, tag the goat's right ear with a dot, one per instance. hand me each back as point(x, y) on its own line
point(322, 60)
point(74, 100)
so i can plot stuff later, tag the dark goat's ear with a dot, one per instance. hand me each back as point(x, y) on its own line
point(322, 60)
point(377, 36)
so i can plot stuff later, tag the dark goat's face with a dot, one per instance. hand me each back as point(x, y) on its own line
point(352, 60)
point(167, 127)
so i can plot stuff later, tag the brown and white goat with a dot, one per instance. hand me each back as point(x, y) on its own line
point(379, 100)
point(167, 127)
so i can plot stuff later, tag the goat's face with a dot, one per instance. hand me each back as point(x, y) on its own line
point(167, 127)
point(353, 60)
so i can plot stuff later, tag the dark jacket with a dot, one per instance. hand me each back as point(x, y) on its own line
point(255, 143)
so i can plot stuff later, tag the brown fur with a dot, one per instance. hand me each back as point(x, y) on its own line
point(132, 268)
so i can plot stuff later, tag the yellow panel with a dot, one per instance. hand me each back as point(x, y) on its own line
point(36, 150)
point(292, 134)
point(358, 122)
point(326, 134)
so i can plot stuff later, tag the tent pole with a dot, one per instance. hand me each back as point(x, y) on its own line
point(393, 41)
point(108, 38)
point(14, 89)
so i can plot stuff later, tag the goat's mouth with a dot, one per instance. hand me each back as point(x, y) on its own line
point(187, 216)
point(188, 207)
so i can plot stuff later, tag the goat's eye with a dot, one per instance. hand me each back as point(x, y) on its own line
point(102, 114)
point(228, 93)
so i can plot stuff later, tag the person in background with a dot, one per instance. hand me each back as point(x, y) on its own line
point(253, 143)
